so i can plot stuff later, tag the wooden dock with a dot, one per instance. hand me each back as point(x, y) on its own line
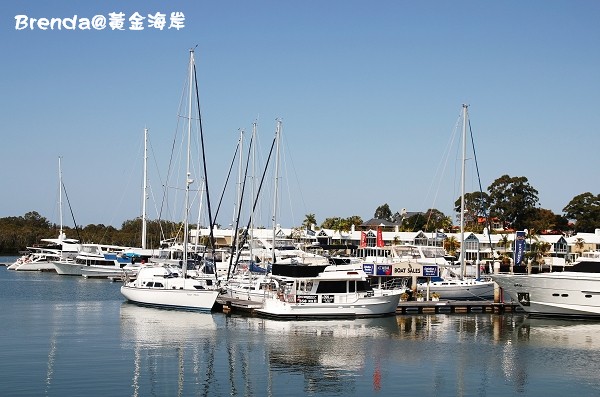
point(229, 305)
point(453, 306)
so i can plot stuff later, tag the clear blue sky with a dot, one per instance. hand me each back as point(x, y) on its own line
point(369, 93)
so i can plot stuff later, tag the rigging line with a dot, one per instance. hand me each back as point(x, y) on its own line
point(297, 180)
point(445, 159)
point(210, 218)
point(160, 226)
point(164, 203)
point(72, 214)
point(481, 209)
point(245, 235)
point(440, 171)
point(237, 148)
point(234, 246)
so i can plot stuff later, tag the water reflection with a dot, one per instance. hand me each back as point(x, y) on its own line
point(558, 350)
point(327, 355)
point(161, 341)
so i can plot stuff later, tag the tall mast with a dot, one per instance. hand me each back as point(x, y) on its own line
point(253, 188)
point(145, 187)
point(188, 179)
point(462, 193)
point(276, 190)
point(238, 201)
point(60, 214)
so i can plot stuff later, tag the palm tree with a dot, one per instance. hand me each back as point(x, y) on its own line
point(309, 220)
point(539, 249)
point(451, 245)
point(504, 243)
point(579, 244)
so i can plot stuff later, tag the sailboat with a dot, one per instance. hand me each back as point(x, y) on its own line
point(453, 286)
point(170, 286)
point(41, 257)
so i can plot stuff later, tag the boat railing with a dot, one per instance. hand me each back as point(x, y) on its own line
point(395, 283)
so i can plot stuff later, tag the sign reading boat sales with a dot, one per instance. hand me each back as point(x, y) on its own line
point(414, 269)
point(402, 269)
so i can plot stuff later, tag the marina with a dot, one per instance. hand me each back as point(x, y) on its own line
point(78, 335)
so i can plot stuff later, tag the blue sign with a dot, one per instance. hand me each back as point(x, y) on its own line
point(519, 247)
point(430, 271)
point(369, 268)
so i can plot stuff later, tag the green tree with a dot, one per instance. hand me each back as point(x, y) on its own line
point(512, 199)
point(354, 220)
point(330, 223)
point(451, 245)
point(383, 212)
point(476, 205)
point(505, 243)
point(538, 250)
point(541, 219)
point(33, 219)
point(414, 222)
point(309, 221)
point(585, 210)
point(436, 220)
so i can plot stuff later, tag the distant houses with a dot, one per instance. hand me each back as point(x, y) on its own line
point(479, 247)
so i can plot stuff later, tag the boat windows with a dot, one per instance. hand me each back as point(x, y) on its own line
point(305, 286)
point(363, 286)
point(326, 287)
point(351, 286)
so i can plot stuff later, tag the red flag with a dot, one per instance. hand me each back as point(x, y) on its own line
point(363, 239)
point(379, 238)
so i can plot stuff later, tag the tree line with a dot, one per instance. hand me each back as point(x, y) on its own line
point(19, 232)
point(510, 201)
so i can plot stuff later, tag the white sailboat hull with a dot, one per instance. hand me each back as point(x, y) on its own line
point(164, 287)
point(567, 294)
point(42, 266)
point(466, 289)
point(174, 298)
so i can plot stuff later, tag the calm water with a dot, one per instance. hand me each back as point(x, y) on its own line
point(67, 336)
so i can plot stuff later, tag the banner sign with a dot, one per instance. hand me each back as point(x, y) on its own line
point(380, 242)
point(519, 247)
point(384, 270)
point(363, 239)
point(369, 268)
